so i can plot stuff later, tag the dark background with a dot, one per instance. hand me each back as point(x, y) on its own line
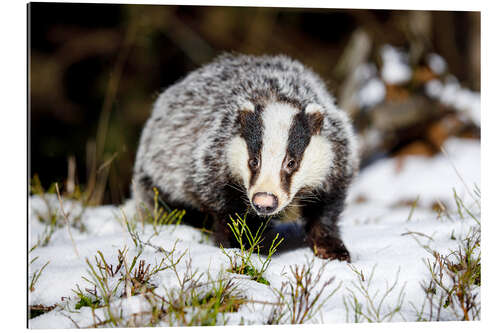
point(95, 70)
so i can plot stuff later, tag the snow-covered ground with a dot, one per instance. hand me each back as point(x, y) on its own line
point(380, 227)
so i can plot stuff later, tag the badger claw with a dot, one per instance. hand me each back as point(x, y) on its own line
point(330, 248)
point(332, 254)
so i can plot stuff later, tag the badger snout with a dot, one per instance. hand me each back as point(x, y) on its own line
point(265, 203)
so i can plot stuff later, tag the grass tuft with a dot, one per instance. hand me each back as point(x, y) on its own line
point(37, 273)
point(452, 288)
point(250, 243)
point(52, 215)
point(302, 295)
point(198, 300)
point(375, 309)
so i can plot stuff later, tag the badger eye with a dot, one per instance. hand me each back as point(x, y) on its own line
point(291, 164)
point(253, 163)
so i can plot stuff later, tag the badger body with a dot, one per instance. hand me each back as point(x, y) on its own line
point(250, 134)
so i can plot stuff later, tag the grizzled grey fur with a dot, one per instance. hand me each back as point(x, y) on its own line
point(182, 147)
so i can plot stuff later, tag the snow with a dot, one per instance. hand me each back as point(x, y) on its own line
point(372, 93)
point(371, 88)
point(395, 68)
point(428, 179)
point(451, 93)
point(434, 88)
point(437, 63)
point(365, 71)
point(380, 231)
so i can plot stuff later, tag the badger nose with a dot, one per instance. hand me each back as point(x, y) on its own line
point(265, 203)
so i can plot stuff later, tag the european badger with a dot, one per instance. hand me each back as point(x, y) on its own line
point(250, 131)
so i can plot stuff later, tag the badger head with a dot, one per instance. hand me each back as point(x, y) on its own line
point(278, 152)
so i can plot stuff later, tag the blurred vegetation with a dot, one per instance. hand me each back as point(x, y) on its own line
point(95, 70)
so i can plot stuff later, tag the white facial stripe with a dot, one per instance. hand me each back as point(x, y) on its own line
point(277, 119)
point(315, 166)
point(237, 158)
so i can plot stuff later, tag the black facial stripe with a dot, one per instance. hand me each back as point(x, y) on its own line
point(254, 174)
point(299, 137)
point(251, 128)
point(286, 180)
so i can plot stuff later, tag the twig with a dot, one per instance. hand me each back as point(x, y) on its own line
point(108, 162)
point(65, 216)
point(417, 233)
point(72, 320)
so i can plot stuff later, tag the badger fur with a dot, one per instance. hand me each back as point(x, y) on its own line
point(246, 133)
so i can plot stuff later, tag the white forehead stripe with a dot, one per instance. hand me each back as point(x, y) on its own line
point(277, 119)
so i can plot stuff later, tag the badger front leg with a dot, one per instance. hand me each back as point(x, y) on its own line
point(322, 233)
point(222, 232)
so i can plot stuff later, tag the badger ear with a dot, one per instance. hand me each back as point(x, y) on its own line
point(313, 108)
point(314, 113)
point(247, 106)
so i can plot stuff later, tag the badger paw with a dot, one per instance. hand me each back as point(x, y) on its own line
point(325, 253)
point(331, 248)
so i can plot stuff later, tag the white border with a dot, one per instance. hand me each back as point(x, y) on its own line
point(13, 167)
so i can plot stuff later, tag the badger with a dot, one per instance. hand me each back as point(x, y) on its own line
point(254, 134)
